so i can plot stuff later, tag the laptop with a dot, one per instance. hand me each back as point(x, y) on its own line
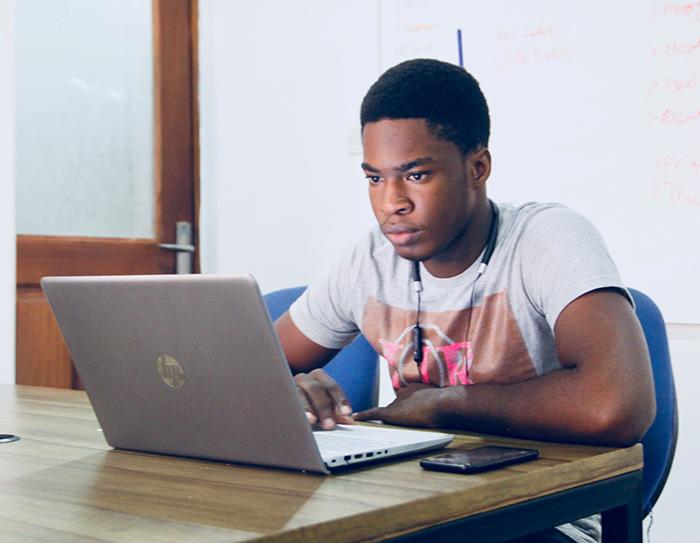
point(190, 365)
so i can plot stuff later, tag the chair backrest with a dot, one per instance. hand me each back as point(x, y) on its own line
point(660, 440)
point(354, 368)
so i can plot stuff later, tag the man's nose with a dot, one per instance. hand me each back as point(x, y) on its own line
point(396, 200)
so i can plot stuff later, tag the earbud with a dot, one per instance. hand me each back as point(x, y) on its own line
point(417, 330)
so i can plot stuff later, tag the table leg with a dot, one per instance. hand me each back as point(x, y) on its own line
point(624, 522)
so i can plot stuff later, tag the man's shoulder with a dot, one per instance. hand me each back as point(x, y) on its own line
point(533, 218)
point(530, 210)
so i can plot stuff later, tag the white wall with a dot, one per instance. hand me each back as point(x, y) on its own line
point(282, 191)
point(7, 183)
point(275, 203)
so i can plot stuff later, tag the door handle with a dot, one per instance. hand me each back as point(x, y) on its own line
point(182, 247)
point(176, 247)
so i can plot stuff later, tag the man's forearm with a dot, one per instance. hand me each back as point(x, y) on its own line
point(557, 406)
point(561, 406)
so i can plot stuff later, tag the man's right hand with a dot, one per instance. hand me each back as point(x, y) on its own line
point(323, 399)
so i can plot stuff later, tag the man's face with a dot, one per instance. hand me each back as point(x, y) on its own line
point(421, 189)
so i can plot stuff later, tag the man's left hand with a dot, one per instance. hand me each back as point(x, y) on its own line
point(414, 406)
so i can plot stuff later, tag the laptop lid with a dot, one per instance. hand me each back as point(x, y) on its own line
point(190, 365)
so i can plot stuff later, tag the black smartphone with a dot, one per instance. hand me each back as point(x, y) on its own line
point(479, 459)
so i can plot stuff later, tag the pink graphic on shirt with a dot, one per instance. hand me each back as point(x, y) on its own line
point(450, 361)
point(495, 353)
point(457, 368)
point(423, 368)
point(390, 351)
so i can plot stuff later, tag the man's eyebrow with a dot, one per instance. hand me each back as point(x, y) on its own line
point(406, 166)
point(414, 164)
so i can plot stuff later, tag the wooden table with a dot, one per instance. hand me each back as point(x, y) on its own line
point(62, 482)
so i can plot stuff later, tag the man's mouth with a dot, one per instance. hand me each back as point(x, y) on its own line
point(400, 235)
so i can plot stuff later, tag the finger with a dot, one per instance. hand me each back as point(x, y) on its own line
point(333, 389)
point(321, 403)
point(374, 413)
point(307, 408)
point(344, 419)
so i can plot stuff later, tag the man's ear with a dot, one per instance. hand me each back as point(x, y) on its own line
point(478, 164)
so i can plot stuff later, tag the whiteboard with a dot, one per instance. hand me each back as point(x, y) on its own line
point(593, 104)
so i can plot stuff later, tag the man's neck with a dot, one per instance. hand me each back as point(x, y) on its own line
point(466, 246)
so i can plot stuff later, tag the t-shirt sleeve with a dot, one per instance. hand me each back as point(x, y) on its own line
point(323, 313)
point(564, 257)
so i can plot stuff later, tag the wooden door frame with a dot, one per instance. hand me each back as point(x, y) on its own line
point(176, 178)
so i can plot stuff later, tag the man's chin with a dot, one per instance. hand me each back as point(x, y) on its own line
point(410, 253)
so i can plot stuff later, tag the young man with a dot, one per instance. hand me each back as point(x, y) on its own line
point(521, 323)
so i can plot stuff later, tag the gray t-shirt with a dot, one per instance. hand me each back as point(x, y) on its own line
point(546, 256)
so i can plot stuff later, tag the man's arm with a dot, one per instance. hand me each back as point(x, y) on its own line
point(323, 399)
point(302, 354)
point(603, 394)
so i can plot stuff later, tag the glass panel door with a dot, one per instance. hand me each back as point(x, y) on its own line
point(85, 118)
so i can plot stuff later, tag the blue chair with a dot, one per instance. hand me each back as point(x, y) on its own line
point(355, 368)
point(660, 440)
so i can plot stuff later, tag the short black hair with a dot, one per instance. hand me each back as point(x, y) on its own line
point(446, 96)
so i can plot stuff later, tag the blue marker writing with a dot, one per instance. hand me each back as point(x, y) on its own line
point(459, 47)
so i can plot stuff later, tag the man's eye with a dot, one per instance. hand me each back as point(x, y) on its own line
point(374, 179)
point(417, 176)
